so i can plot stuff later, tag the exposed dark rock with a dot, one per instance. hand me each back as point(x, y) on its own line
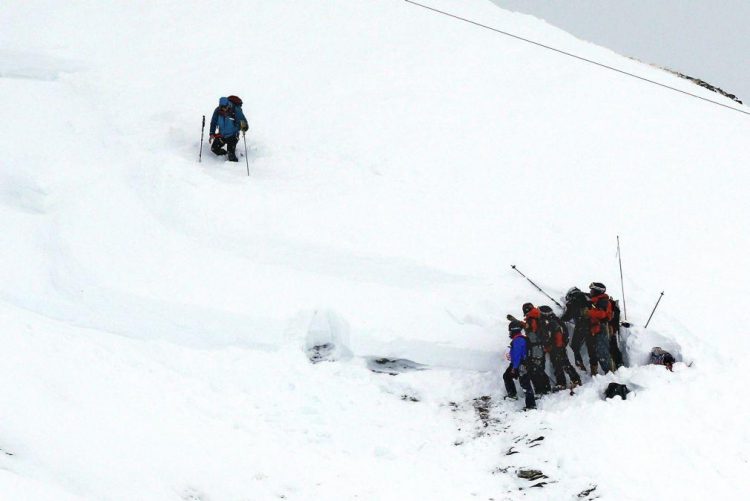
point(530, 475)
point(393, 366)
point(705, 85)
point(585, 493)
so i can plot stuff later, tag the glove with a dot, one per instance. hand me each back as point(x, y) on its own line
point(514, 373)
point(243, 126)
point(585, 314)
point(211, 137)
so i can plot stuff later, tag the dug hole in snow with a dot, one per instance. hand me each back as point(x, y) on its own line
point(327, 337)
point(639, 342)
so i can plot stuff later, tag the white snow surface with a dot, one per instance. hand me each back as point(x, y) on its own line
point(157, 312)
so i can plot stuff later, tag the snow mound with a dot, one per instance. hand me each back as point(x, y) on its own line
point(327, 337)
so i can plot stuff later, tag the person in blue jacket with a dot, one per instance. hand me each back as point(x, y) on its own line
point(517, 368)
point(229, 120)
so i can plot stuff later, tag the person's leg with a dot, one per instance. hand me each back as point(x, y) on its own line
point(217, 146)
point(231, 145)
point(602, 350)
point(614, 350)
point(538, 376)
point(510, 385)
point(528, 391)
point(591, 349)
point(575, 379)
point(579, 334)
point(559, 366)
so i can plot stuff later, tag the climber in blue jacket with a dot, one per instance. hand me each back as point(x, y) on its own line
point(230, 120)
point(517, 367)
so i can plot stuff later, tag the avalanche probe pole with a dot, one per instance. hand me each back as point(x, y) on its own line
point(535, 285)
point(203, 126)
point(247, 163)
point(652, 311)
point(622, 283)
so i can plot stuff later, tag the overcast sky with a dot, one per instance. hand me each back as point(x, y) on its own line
point(707, 39)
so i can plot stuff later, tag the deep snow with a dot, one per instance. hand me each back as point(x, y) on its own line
point(157, 311)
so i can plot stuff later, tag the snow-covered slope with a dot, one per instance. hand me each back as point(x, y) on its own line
point(156, 311)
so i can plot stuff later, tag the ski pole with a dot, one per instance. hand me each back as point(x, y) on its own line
point(652, 311)
point(247, 163)
point(203, 126)
point(535, 285)
point(622, 283)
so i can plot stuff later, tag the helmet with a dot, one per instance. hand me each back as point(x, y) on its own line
point(571, 292)
point(546, 311)
point(598, 287)
point(515, 327)
point(527, 307)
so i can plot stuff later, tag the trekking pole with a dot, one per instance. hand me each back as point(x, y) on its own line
point(622, 283)
point(535, 285)
point(652, 311)
point(203, 126)
point(247, 163)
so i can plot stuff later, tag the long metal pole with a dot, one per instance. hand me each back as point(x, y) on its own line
point(203, 126)
point(247, 162)
point(652, 311)
point(535, 285)
point(622, 282)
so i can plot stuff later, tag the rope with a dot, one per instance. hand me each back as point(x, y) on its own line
point(576, 57)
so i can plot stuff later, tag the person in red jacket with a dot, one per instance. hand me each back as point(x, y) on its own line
point(556, 334)
point(599, 316)
point(537, 356)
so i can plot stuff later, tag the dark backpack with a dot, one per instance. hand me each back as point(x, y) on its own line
point(235, 100)
point(615, 389)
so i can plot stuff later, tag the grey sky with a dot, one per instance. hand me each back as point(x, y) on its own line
point(707, 39)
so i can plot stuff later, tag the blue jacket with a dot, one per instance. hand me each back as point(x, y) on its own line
point(228, 122)
point(517, 350)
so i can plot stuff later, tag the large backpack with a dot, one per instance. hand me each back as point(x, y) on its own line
point(235, 101)
point(535, 344)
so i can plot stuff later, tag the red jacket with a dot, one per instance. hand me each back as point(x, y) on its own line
point(601, 313)
point(531, 320)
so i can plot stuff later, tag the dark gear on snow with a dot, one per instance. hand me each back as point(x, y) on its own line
point(615, 389)
point(662, 357)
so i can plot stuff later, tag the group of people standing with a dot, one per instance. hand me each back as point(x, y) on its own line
point(595, 320)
